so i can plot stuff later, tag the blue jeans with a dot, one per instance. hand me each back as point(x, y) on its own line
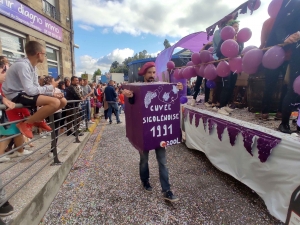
point(162, 165)
point(87, 108)
point(112, 106)
point(121, 107)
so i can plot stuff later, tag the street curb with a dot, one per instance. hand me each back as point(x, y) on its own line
point(35, 210)
point(93, 127)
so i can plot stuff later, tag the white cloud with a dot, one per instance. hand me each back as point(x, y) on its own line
point(89, 64)
point(162, 18)
point(86, 27)
point(105, 31)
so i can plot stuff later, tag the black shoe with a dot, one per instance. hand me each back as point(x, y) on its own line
point(110, 122)
point(168, 195)
point(285, 128)
point(69, 133)
point(6, 210)
point(147, 186)
point(119, 122)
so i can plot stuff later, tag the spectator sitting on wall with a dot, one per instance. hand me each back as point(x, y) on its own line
point(12, 115)
point(21, 86)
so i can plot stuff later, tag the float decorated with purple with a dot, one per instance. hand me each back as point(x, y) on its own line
point(154, 118)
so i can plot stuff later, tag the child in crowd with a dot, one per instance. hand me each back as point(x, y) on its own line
point(21, 86)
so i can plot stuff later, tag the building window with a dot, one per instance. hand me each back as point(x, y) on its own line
point(50, 9)
point(53, 60)
point(13, 44)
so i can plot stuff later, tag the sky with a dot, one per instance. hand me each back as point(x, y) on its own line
point(112, 30)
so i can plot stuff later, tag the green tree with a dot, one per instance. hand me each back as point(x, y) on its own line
point(167, 44)
point(96, 73)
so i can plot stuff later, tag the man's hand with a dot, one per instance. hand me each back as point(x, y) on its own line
point(58, 95)
point(179, 86)
point(55, 83)
point(9, 104)
point(293, 38)
point(127, 93)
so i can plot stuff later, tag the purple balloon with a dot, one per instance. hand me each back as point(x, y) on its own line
point(170, 65)
point(244, 35)
point(210, 72)
point(176, 74)
point(227, 32)
point(196, 58)
point(200, 71)
point(252, 6)
point(223, 69)
point(296, 86)
point(180, 74)
point(248, 48)
point(183, 99)
point(274, 8)
point(205, 56)
point(230, 48)
point(236, 65)
point(253, 58)
point(273, 58)
point(190, 63)
point(188, 72)
point(210, 84)
point(211, 49)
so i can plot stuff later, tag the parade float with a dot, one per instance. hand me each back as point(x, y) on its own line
point(254, 153)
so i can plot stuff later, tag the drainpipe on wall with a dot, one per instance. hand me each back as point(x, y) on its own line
point(72, 37)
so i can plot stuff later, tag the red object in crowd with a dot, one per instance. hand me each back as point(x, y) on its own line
point(25, 129)
point(43, 125)
point(100, 96)
point(121, 99)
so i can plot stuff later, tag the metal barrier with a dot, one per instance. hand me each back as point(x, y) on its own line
point(76, 117)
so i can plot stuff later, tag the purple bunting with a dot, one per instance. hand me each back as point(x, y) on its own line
point(220, 129)
point(233, 133)
point(197, 119)
point(265, 147)
point(248, 140)
point(191, 115)
point(265, 142)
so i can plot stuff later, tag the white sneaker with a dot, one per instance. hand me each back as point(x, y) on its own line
point(4, 159)
point(223, 112)
point(50, 155)
point(43, 135)
point(18, 154)
point(215, 109)
point(48, 133)
point(91, 122)
point(193, 103)
point(207, 104)
point(229, 110)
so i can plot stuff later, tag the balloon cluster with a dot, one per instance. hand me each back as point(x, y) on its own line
point(202, 63)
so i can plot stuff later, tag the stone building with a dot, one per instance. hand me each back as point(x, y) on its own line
point(48, 21)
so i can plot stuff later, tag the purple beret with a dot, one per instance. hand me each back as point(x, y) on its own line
point(145, 67)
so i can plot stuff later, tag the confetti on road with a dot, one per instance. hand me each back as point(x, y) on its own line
point(103, 187)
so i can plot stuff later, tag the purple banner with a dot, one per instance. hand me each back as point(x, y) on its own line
point(17, 11)
point(154, 118)
point(193, 42)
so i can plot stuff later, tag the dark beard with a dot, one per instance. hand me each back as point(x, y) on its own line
point(151, 79)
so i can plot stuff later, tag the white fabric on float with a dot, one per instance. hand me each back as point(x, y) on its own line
point(274, 181)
